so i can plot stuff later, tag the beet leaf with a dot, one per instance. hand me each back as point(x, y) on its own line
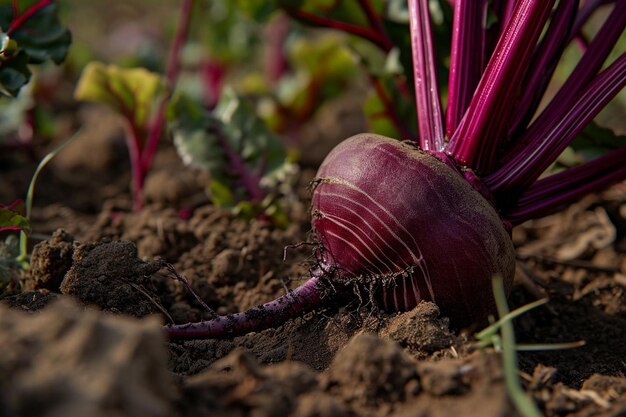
point(247, 163)
point(33, 36)
point(132, 93)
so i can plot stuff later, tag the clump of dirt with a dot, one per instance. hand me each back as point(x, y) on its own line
point(600, 395)
point(421, 331)
point(50, 261)
point(109, 275)
point(71, 361)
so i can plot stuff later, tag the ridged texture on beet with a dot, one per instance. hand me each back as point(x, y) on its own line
point(386, 212)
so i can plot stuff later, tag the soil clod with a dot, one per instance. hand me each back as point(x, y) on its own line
point(109, 275)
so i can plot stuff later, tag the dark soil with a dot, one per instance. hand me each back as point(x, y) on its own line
point(73, 344)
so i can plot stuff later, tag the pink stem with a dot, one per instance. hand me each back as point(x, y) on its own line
point(466, 65)
point(503, 10)
point(544, 141)
point(365, 33)
point(544, 62)
point(133, 143)
point(429, 115)
point(476, 141)
point(275, 60)
point(134, 136)
point(588, 66)
point(374, 20)
point(506, 12)
point(547, 195)
point(173, 69)
point(212, 71)
point(249, 180)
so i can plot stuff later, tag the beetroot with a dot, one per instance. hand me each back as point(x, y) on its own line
point(404, 223)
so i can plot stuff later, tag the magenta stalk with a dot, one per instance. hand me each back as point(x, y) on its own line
point(322, 21)
point(588, 66)
point(546, 139)
point(544, 62)
point(485, 124)
point(547, 195)
point(466, 61)
point(133, 141)
point(429, 115)
point(171, 75)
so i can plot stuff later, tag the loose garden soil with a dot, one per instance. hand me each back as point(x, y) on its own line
point(80, 332)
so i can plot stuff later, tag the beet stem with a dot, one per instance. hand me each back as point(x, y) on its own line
point(540, 147)
point(322, 21)
point(484, 126)
point(466, 65)
point(584, 73)
point(584, 13)
point(428, 105)
point(172, 72)
point(544, 62)
point(549, 194)
point(301, 300)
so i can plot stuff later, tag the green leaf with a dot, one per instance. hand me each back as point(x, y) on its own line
point(14, 74)
point(41, 36)
point(230, 32)
point(193, 129)
point(221, 194)
point(259, 10)
point(321, 69)
point(130, 92)
point(11, 219)
point(38, 39)
point(245, 160)
point(595, 141)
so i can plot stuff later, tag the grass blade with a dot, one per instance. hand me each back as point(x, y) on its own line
point(525, 405)
point(31, 193)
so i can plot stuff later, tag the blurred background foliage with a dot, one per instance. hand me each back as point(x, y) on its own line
point(288, 69)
